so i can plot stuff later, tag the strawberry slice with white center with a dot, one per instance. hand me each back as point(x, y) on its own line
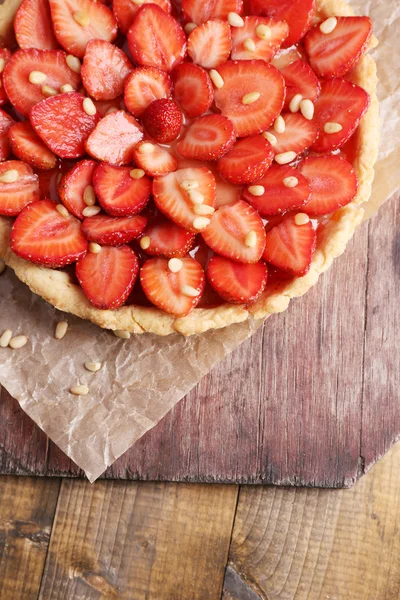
point(48, 67)
point(143, 86)
point(247, 161)
point(252, 95)
point(118, 193)
point(161, 237)
point(104, 70)
point(260, 38)
point(42, 235)
point(156, 39)
point(114, 138)
point(299, 134)
point(236, 232)
point(338, 111)
point(27, 146)
point(186, 196)
point(125, 11)
point(300, 79)
point(175, 291)
point(5, 56)
point(76, 22)
point(207, 138)
point(198, 11)
point(155, 160)
point(334, 54)
point(333, 183)
point(237, 283)
point(33, 27)
point(193, 89)
point(5, 123)
point(73, 184)
point(113, 231)
point(298, 14)
point(107, 278)
point(209, 45)
point(19, 186)
point(63, 124)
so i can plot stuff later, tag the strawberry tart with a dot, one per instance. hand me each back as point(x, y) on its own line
point(182, 166)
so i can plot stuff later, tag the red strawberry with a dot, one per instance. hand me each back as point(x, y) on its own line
point(73, 184)
point(342, 103)
point(15, 195)
point(33, 26)
point(178, 203)
point(207, 138)
point(118, 193)
point(290, 247)
point(42, 235)
point(125, 11)
point(299, 134)
point(333, 54)
point(279, 198)
point(300, 79)
point(22, 93)
point(114, 138)
point(108, 277)
point(193, 89)
point(5, 56)
point(333, 183)
point(170, 291)
point(113, 231)
point(163, 238)
point(143, 86)
point(237, 283)
point(104, 70)
point(242, 78)
point(27, 146)
point(199, 11)
point(76, 22)
point(298, 14)
point(5, 123)
point(104, 107)
point(159, 162)
point(236, 232)
point(263, 48)
point(156, 39)
point(247, 161)
point(62, 123)
point(209, 45)
point(49, 181)
point(163, 120)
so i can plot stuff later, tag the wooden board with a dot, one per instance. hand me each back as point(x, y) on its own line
point(311, 399)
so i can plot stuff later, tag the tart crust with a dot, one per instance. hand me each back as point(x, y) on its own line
point(333, 235)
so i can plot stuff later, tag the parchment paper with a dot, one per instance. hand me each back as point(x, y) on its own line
point(142, 378)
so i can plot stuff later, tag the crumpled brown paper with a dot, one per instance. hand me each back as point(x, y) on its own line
point(142, 378)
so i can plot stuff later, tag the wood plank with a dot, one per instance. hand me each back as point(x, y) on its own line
point(27, 508)
point(139, 541)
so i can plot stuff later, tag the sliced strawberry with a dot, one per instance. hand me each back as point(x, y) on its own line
point(237, 283)
point(104, 70)
point(209, 45)
point(114, 138)
point(159, 162)
point(22, 93)
point(298, 14)
point(193, 89)
point(118, 193)
point(156, 39)
point(290, 247)
point(33, 26)
point(333, 54)
point(199, 11)
point(106, 106)
point(49, 181)
point(279, 198)
point(246, 77)
point(5, 56)
point(164, 238)
point(113, 231)
point(236, 232)
point(163, 120)
point(299, 134)
point(342, 103)
point(27, 146)
point(300, 79)
point(42, 235)
point(247, 161)
point(5, 123)
point(76, 22)
point(108, 277)
point(73, 184)
point(175, 202)
point(143, 86)
point(169, 290)
point(207, 138)
point(125, 11)
point(14, 196)
point(264, 49)
point(333, 183)
point(62, 123)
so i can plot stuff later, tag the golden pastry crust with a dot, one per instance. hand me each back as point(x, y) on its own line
point(56, 287)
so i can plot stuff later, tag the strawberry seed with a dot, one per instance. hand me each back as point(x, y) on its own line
point(37, 77)
point(175, 265)
point(10, 176)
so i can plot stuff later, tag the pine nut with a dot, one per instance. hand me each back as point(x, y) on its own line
point(195, 197)
point(328, 25)
point(249, 45)
point(94, 248)
point(93, 366)
point(124, 335)
point(263, 31)
point(301, 219)
point(201, 223)
point(2, 266)
point(256, 190)
point(137, 173)
point(5, 338)
point(49, 91)
point(280, 125)
point(216, 79)
point(235, 20)
point(290, 182)
point(37, 77)
point(89, 107)
point(307, 109)
point(189, 27)
point(10, 176)
point(294, 105)
point(175, 265)
point(66, 88)
point(270, 138)
point(146, 148)
point(62, 210)
point(251, 239)
point(74, 63)
point(79, 390)
point(189, 184)
point(61, 330)
point(188, 290)
point(2, 64)
point(203, 209)
point(91, 211)
point(18, 342)
point(145, 242)
point(251, 98)
point(82, 18)
point(89, 197)
point(332, 127)
point(285, 157)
